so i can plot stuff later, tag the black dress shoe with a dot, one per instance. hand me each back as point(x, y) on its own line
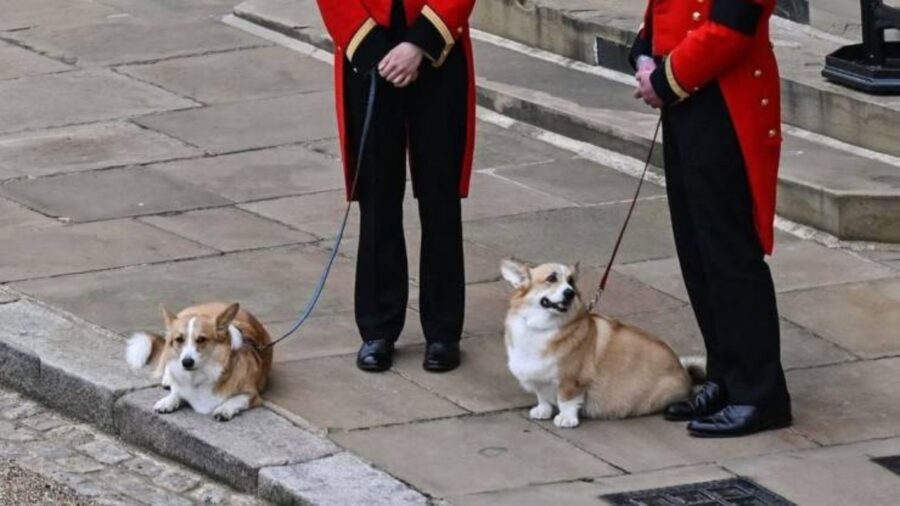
point(741, 420)
point(441, 357)
point(375, 356)
point(709, 399)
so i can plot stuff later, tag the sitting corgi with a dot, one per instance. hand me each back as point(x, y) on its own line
point(210, 358)
point(581, 362)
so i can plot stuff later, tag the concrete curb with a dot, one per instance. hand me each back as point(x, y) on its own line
point(78, 368)
point(849, 215)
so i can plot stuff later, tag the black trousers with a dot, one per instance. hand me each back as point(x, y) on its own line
point(429, 118)
point(722, 261)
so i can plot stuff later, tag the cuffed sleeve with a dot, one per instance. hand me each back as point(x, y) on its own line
point(666, 85)
point(367, 47)
point(432, 35)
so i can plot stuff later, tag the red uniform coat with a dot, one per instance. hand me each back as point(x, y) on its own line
point(701, 41)
point(358, 29)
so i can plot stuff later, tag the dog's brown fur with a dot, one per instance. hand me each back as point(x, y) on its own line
point(616, 369)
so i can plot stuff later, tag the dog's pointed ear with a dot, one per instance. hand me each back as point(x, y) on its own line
point(515, 272)
point(168, 317)
point(227, 316)
point(575, 270)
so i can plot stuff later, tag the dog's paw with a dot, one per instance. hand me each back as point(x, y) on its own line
point(541, 412)
point(224, 413)
point(167, 404)
point(566, 421)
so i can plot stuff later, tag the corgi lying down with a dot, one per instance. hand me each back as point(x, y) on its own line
point(208, 359)
point(584, 363)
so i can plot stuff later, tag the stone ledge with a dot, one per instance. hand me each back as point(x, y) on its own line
point(232, 451)
point(57, 359)
point(339, 480)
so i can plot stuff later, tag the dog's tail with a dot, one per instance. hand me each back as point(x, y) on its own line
point(695, 367)
point(144, 349)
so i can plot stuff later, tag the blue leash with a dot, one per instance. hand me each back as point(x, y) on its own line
point(320, 285)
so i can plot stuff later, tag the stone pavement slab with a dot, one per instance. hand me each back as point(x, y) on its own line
point(14, 215)
point(651, 443)
point(237, 75)
point(861, 317)
point(228, 229)
point(587, 492)
point(334, 334)
point(580, 181)
point(135, 40)
point(624, 295)
point(261, 174)
point(78, 97)
point(162, 11)
point(473, 454)
point(85, 147)
point(848, 402)
point(53, 251)
point(491, 197)
point(232, 451)
point(23, 14)
point(317, 213)
point(225, 128)
point(19, 62)
point(838, 475)
point(584, 234)
point(486, 306)
point(339, 480)
point(312, 387)
point(795, 265)
point(481, 384)
point(497, 147)
point(482, 264)
point(271, 284)
point(678, 327)
point(109, 194)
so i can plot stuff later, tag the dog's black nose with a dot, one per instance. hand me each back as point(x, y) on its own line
point(187, 362)
point(568, 294)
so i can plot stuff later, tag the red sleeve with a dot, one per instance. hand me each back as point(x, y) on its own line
point(354, 32)
point(708, 51)
point(439, 26)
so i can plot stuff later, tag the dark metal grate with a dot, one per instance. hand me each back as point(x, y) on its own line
point(733, 492)
point(890, 463)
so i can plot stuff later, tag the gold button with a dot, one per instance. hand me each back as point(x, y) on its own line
point(696, 89)
point(764, 102)
point(696, 16)
point(773, 133)
point(757, 73)
point(699, 1)
point(459, 30)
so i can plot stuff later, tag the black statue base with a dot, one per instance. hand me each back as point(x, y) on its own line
point(850, 67)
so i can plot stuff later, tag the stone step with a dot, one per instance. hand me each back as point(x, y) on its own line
point(601, 31)
point(846, 191)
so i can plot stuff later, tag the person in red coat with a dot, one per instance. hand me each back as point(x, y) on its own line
point(709, 65)
point(420, 54)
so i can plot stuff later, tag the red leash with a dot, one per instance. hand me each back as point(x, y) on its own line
point(602, 287)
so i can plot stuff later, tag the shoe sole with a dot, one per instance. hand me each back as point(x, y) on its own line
point(365, 368)
point(777, 425)
point(440, 368)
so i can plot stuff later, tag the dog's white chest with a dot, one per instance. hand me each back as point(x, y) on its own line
point(197, 387)
point(527, 354)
